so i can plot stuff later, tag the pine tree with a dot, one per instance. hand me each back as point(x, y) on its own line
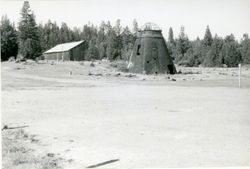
point(102, 32)
point(171, 36)
point(118, 40)
point(213, 56)
point(29, 40)
point(191, 57)
point(54, 37)
point(182, 46)
point(64, 33)
point(92, 52)
point(245, 49)
point(208, 39)
point(111, 51)
point(9, 45)
point(76, 34)
point(135, 27)
point(230, 51)
point(206, 45)
point(127, 43)
point(171, 43)
point(102, 45)
point(197, 49)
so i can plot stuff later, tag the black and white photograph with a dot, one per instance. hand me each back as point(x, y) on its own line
point(125, 84)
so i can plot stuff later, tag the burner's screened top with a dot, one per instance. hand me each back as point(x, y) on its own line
point(150, 26)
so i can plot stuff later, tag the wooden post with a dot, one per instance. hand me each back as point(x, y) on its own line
point(62, 53)
point(239, 75)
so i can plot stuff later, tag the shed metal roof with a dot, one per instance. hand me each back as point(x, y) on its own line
point(64, 47)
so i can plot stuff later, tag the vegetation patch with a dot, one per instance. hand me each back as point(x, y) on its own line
point(119, 65)
point(17, 152)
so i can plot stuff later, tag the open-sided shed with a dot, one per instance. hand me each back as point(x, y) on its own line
point(74, 51)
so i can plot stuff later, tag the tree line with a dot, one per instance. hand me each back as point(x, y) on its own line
point(29, 40)
point(209, 51)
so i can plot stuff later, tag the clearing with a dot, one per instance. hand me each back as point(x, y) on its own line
point(89, 114)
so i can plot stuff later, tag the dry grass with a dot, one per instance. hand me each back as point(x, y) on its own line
point(76, 74)
point(119, 65)
point(17, 152)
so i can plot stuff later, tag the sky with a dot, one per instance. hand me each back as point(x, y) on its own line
point(223, 16)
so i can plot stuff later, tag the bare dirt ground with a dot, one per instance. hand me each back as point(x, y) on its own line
point(199, 118)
